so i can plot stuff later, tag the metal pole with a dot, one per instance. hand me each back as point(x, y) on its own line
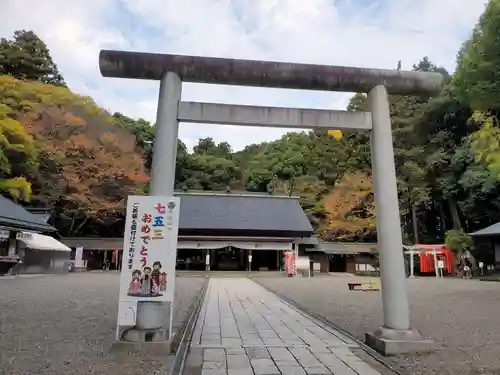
point(295, 248)
point(436, 268)
point(412, 263)
point(150, 314)
point(392, 273)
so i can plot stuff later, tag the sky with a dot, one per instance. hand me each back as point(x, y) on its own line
point(364, 33)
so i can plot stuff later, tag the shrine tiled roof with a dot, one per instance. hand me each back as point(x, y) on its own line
point(213, 214)
point(14, 217)
point(243, 212)
point(491, 231)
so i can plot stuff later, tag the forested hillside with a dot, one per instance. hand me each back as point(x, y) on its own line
point(61, 150)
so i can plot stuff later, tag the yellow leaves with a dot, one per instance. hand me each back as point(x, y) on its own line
point(18, 188)
point(12, 96)
point(23, 96)
point(16, 146)
point(342, 203)
point(46, 95)
point(479, 116)
point(337, 134)
point(13, 136)
point(9, 86)
point(486, 141)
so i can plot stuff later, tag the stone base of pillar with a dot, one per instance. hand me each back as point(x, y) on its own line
point(390, 342)
point(144, 341)
point(151, 327)
point(146, 335)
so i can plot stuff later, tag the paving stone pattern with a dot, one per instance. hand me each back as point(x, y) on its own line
point(243, 329)
point(460, 315)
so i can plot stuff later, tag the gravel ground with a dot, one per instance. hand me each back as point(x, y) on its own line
point(66, 324)
point(460, 315)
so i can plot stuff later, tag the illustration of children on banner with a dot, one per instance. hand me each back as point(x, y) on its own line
point(163, 281)
point(149, 282)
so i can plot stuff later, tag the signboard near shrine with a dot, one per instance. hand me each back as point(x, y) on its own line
point(149, 254)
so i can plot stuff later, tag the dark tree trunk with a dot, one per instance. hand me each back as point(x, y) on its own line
point(291, 186)
point(79, 227)
point(457, 224)
point(414, 220)
point(442, 217)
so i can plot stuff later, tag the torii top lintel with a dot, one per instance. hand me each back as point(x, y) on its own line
point(197, 69)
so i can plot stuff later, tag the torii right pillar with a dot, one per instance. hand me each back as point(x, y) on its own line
point(396, 336)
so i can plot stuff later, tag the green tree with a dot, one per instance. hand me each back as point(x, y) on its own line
point(26, 56)
point(477, 82)
point(442, 128)
point(477, 77)
point(207, 146)
point(144, 133)
point(461, 244)
point(210, 172)
point(142, 130)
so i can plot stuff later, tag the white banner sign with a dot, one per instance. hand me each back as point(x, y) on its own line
point(149, 254)
point(79, 257)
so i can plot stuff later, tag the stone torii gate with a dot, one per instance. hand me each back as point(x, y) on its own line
point(396, 336)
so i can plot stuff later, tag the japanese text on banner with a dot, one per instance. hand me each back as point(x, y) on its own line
point(133, 235)
point(151, 230)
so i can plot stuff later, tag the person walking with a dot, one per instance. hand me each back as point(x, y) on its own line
point(105, 265)
point(467, 272)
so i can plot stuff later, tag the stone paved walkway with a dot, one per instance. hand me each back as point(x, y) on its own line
point(243, 329)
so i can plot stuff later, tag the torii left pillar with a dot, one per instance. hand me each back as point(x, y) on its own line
point(152, 315)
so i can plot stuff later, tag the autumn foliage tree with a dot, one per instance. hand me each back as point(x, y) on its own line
point(87, 164)
point(350, 209)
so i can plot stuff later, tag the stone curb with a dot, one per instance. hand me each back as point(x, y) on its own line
point(176, 365)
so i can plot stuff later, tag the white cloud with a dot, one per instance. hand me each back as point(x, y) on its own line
point(342, 32)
